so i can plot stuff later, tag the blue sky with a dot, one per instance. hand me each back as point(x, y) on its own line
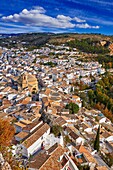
point(82, 16)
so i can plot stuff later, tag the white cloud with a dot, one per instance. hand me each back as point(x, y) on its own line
point(100, 20)
point(40, 9)
point(64, 18)
point(78, 19)
point(19, 29)
point(102, 2)
point(38, 17)
point(86, 26)
point(12, 30)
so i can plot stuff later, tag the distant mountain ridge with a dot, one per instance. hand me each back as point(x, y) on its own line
point(34, 40)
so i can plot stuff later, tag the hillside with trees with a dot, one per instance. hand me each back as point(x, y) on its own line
point(34, 40)
point(88, 46)
point(102, 97)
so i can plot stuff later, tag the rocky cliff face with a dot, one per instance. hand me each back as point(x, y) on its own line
point(111, 48)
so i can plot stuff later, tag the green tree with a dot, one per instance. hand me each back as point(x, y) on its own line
point(73, 108)
point(91, 94)
point(56, 130)
point(88, 46)
point(96, 142)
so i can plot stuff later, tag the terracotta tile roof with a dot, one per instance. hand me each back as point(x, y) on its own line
point(70, 116)
point(22, 135)
point(55, 103)
point(107, 126)
point(54, 99)
point(2, 114)
point(102, 168)
point(31, 126)
point(60, 121)
point(90, 135)
point(73, 135)
point(50, 150)
point(47, 92)
point(38, 160)
point(30, 77)
point(87, 154)
point(105, 134)
point(7, 89)
point(75, 97)
point(85, 125)
point(20, 124)
point(26, 122)
point(6, 102)
point(36, 135)
point(26, 100)
point(45, 99)
point(1, 96)
point(65, 118)
point(52, 162)
point(67, 129)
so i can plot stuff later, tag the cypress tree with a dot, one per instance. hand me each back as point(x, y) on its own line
point(96, 142)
